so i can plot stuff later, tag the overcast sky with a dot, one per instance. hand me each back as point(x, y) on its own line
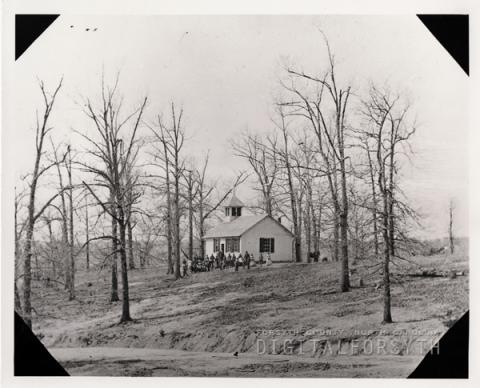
point(225, 70)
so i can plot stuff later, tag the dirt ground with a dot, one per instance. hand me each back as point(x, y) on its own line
point(283, 320)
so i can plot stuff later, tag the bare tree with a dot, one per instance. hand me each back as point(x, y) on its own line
point(304, 159)
point(172, 137)
point(367, 172)
point(331, 139)
point(162, 160)
point(282, 125)
point(374, 206)
point(64, 217)
point(42, 130)
point(71, 269)
point(382, 184)
point(114, 153)
point(388, 131)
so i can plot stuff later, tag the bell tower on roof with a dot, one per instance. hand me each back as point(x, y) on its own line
point(234, 208)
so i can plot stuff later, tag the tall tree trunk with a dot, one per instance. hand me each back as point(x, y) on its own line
point(201, 223)
point(65, 239)
point(267, 197)
point(336, 206)
point(308, 228)
point(37, 271)
point(53, 256)
point(375, 233)
point(387, 314)
point(169, 214)
point(114, 256)
point(131, 259)
point(297, 241)
point(374, 203)
point(190, 217)
point(333, 186)
point(345, 277)
point(299, 223)
point(87, 237)
point(27, 266)
point(315, 227)
point(123, 260)
point(391, 202)
point(65, 250)
point(27, 277)
point(71, 290)
point(293, 199)
point(177, 220)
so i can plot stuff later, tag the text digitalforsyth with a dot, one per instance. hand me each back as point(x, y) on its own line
point(322, 347)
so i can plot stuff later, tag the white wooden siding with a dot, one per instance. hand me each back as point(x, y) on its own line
point(209, 246)
point(250, 241)
point(268, 228)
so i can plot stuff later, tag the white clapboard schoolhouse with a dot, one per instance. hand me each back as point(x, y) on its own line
point(257, 234)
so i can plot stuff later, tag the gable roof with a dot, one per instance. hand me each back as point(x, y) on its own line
point(235, 202)
point(234, 228)
point(239, 226)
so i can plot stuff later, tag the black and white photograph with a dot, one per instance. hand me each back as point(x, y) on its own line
point(248, 195)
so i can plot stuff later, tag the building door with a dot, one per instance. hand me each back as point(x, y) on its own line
point(222, 248)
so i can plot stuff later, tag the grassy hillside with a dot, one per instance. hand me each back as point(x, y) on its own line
point(285, 320)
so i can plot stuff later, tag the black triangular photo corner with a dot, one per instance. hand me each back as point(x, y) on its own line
point(448, 359)
point(31, 358)
point(452, 32)
point(28, 28)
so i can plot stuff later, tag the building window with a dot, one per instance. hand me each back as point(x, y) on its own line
point(227, 211)
point(216, 244)
point(267, 245)
point(232, 244)
point(236, 211)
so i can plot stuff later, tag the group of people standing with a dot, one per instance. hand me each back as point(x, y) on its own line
point(221, 261)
